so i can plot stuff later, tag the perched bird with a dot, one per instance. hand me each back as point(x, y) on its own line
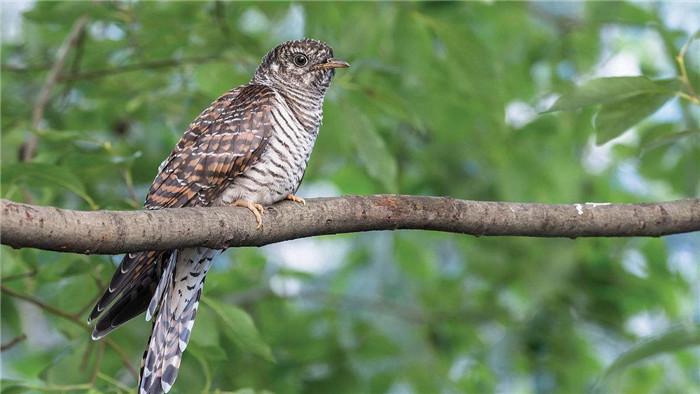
point(249, 148)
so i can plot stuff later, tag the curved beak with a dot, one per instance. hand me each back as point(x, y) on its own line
point(331, 63)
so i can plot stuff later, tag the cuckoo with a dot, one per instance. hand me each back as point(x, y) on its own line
point(249, 148)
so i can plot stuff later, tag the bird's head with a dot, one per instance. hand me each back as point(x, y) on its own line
point(306, 65)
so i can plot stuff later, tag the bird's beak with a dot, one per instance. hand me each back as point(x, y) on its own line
point(332, 63)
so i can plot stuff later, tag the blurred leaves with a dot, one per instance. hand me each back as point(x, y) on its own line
point(441, 99)
point(672, 340)
point(41, 174)
point(606, 91)
point(670, 138)
point(626, 101)
point(371, 149)
point(239, 327)
point(614, 119)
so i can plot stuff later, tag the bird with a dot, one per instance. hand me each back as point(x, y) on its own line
point(249, 148)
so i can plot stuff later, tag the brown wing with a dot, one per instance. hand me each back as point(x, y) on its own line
point(225, 140)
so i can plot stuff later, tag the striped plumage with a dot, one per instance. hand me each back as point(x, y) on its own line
point(249, 148)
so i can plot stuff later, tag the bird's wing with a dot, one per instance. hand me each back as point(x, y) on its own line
point(226, 139)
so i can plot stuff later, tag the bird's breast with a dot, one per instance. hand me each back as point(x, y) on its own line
point(281, 166)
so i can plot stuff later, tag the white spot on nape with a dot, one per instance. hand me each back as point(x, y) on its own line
point(579, 209)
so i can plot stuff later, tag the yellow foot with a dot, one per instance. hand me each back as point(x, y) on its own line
point(257, 209)
point(295, 199)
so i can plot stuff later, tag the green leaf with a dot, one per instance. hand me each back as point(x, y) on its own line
point(692, 60)
point(371, 149)
point(10, 386)
point(240, 328)
point(41, 173)
point(674, 339)
point(209, 338)
point(606, 91)
point(669, 139)
point(614, 119)
point(620, 12)
point(62, 135)
point(695, 36)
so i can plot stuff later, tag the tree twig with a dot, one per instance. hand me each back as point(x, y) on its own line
point(98, 363)
point(13, 342)
point(112, 232)
point(28, 274)
point(680, 59)
point(74, 320)
point(139, 66)
point(94, 74)
point(88, 305)
point(29, 148)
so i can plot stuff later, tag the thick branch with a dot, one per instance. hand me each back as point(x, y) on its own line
point(111, 232)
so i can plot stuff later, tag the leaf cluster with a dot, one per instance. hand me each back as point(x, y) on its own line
point(440, 99)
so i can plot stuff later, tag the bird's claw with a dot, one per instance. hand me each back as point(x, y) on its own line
point(257, 210)
point(295, 199)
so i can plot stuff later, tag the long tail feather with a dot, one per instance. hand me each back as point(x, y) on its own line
point(162, 285)
point(135, 270)
point(181, 291)
point(131, 297)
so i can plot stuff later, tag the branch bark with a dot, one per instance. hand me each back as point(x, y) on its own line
point(112, 232)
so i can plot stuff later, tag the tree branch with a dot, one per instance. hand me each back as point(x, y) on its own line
point(29, 148)
point(111, 232)
point(74, 320)
point(139, 66)
point(13, 342)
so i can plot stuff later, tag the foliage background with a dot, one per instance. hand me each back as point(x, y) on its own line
point(440, 99)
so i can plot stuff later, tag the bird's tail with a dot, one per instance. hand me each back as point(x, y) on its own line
point(179, 291)
point(131, 289)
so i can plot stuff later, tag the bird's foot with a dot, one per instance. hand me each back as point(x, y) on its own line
point(257, 209)
point(295, 199)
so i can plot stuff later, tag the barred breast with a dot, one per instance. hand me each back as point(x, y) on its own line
point(281, 166)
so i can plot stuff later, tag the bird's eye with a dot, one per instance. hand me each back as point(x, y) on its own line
point(300, 60)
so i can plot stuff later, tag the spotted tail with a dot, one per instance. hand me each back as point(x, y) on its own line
point(180, 290)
